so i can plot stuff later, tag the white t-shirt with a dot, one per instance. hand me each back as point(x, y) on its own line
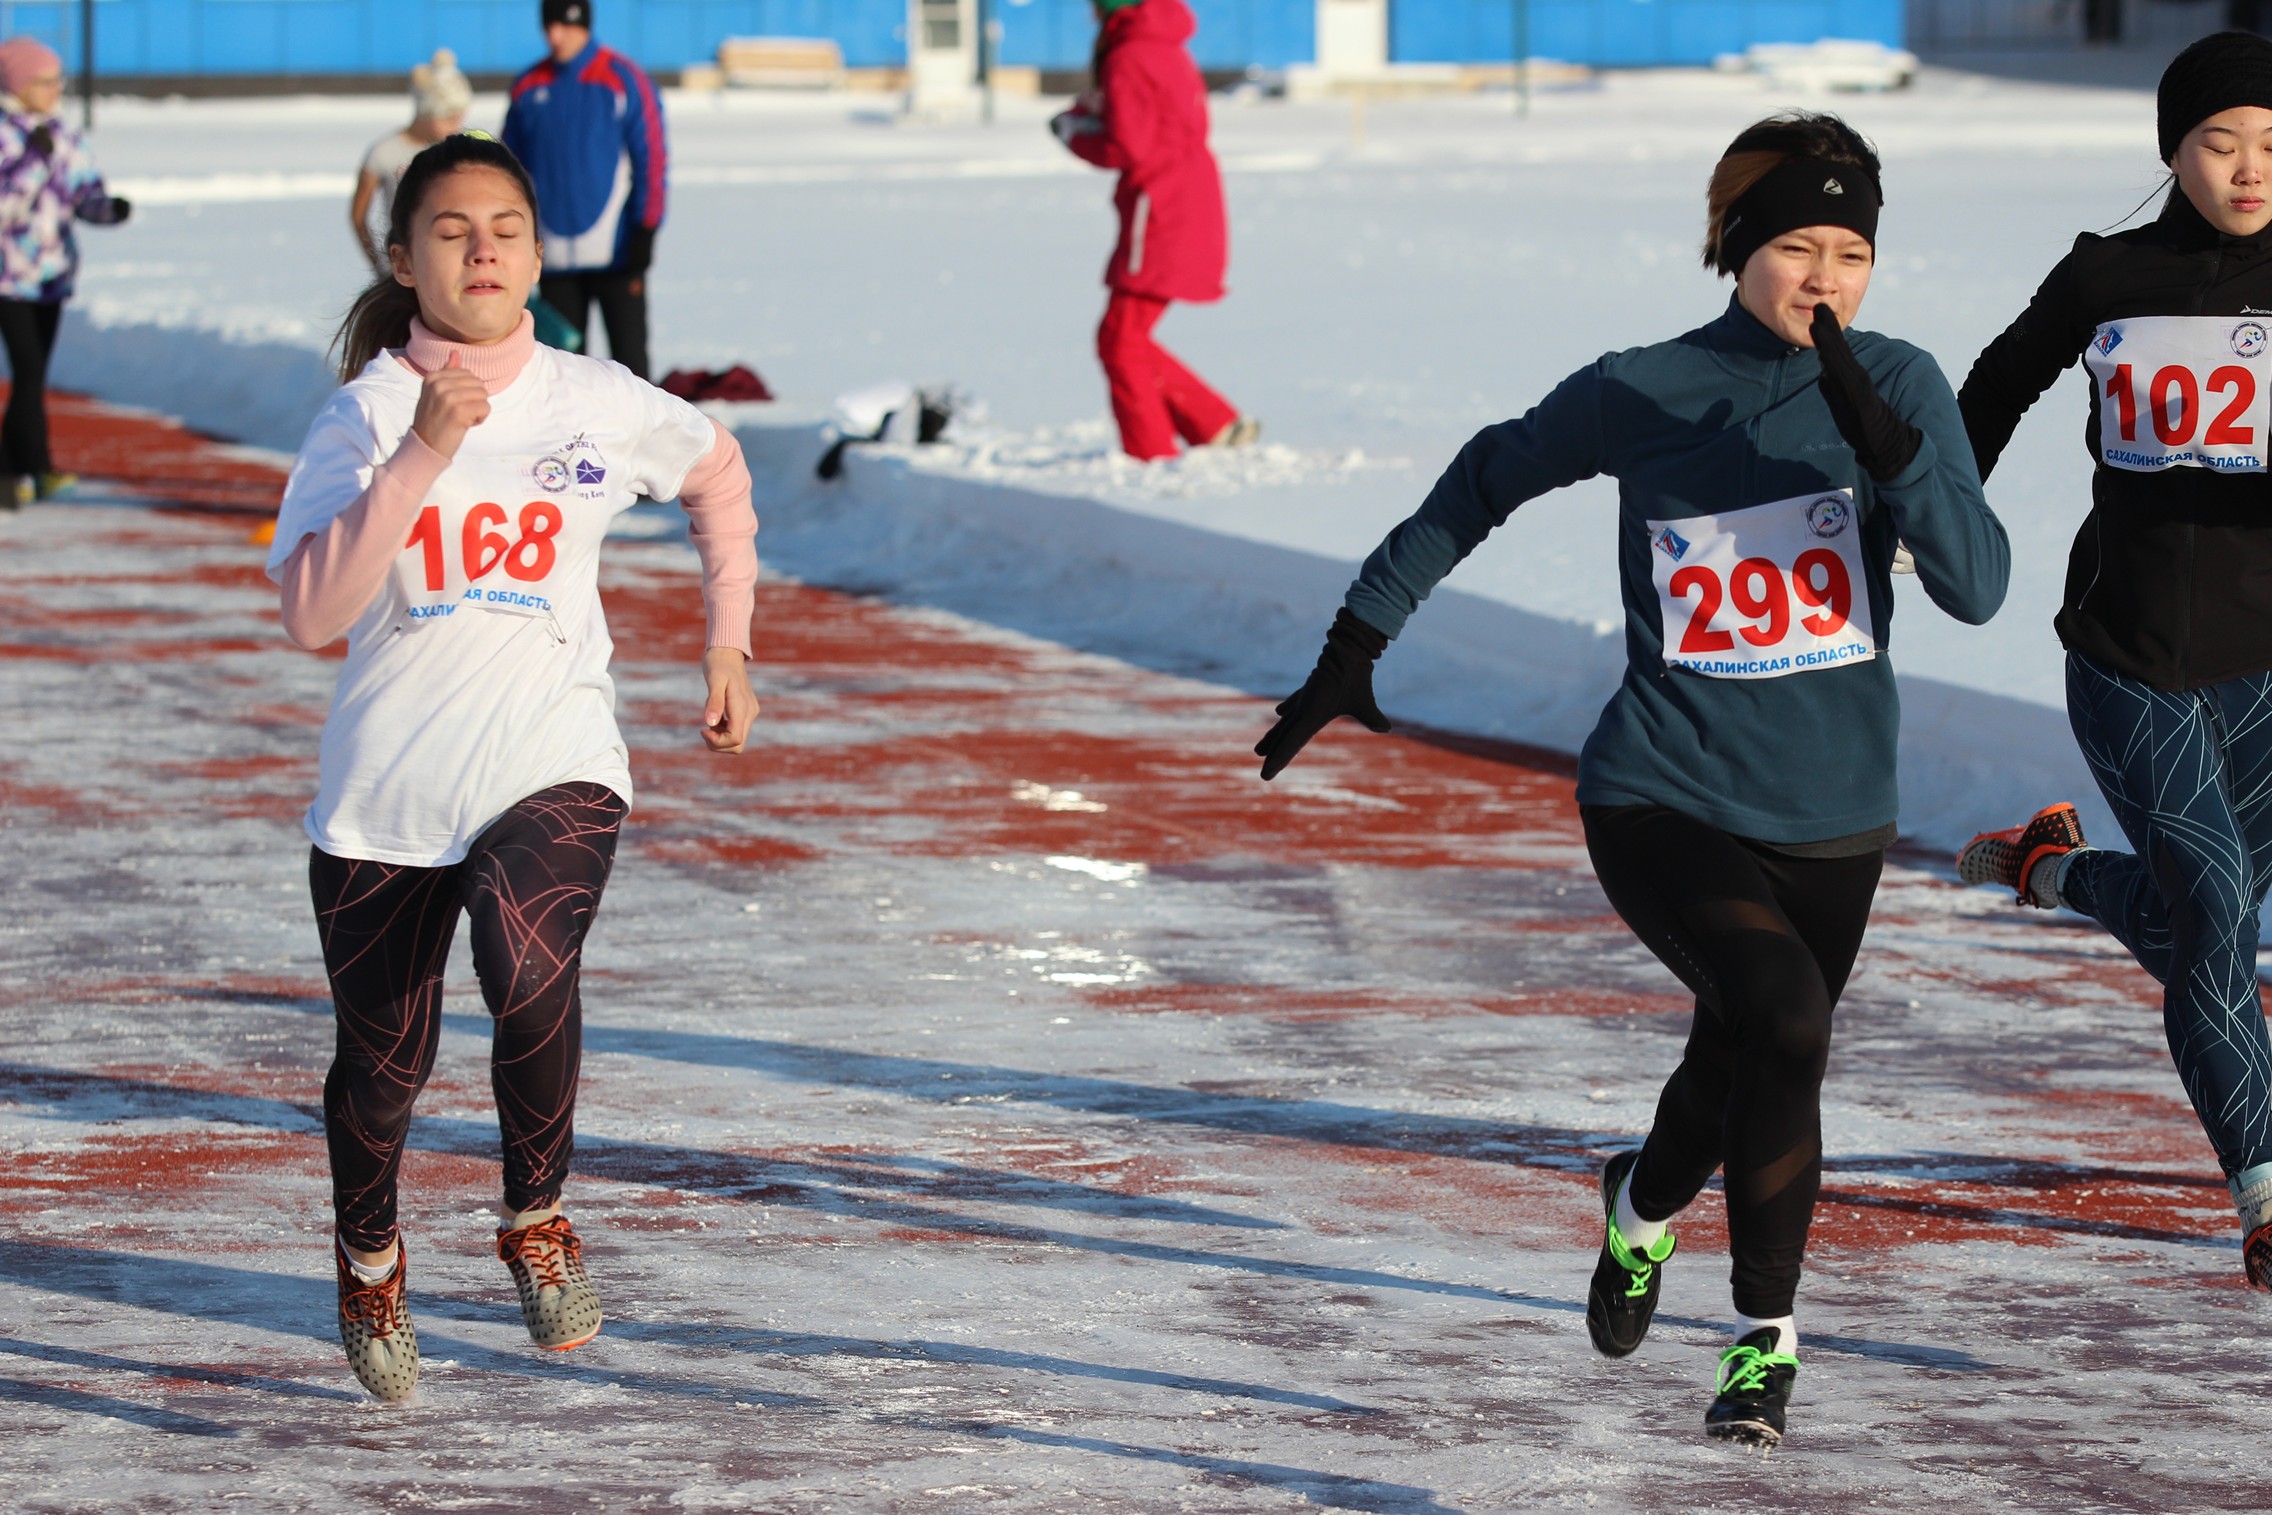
point(387, 161)
point(470, 686)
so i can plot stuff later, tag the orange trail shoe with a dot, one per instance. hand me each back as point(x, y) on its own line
point(2256, 1258)
point(558, 1303)
point(375, 1328)
point(2009, 857)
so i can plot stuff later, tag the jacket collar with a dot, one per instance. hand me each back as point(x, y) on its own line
point(2190, 231)
point(1740, 334)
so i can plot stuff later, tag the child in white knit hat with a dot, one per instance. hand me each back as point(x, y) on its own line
point(439, 95)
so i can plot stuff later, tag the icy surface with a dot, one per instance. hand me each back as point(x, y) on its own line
point(995, 1099)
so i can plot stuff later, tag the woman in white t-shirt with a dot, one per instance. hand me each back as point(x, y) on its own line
point(439, 97)
point(445, 515)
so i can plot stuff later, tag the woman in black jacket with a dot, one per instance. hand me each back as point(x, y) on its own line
point(2167, 616)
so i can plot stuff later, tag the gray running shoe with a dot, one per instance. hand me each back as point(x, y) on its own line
point(375, 1328)
point(558, 1303)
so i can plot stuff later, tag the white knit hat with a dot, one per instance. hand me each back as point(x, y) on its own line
point(438, 89)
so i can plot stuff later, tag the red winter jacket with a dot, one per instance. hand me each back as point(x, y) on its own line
point(1173, 240)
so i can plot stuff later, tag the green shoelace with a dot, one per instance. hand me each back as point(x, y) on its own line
point(1744, 1370)
point(1640, 1265)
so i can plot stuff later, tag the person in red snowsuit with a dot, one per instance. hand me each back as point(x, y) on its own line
point(1147, 117)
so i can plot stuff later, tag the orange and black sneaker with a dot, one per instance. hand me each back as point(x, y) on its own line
point(2256, 1258)
point(375, 1328)
point(558, 1303)
point(2009, 857)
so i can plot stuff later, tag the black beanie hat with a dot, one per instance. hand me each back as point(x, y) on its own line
point(2215, 74)
point(568, 13)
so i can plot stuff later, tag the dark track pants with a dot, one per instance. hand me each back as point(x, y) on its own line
point(1765, 941)
point(531, 885)
point(27, 328)
point(2189, 777)
point(622, 300)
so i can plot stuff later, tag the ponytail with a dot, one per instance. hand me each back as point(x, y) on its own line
point(380, 317)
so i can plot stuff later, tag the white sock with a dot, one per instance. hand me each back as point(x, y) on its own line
point(512, 1222)
point(2252, 1197)
point(371, 1275)
point(1786, 1328)
point(1639, 1234)
point(2043, 881)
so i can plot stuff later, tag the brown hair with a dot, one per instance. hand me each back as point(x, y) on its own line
point(380, 317)
point(1763, 145)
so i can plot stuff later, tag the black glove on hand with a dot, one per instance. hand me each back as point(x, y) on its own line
point(1340, 684)
point(639, 250)
point(41, 140)
point(1883, 443)
point(120, 209)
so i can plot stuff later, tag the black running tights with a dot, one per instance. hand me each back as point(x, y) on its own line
point(1765, 941)
point(27, 329)
point(530, 884)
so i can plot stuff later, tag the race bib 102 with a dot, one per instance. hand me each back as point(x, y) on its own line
point(2182, 392)
point(1764, 592)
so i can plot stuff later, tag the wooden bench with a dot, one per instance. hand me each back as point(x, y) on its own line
point(782, 62)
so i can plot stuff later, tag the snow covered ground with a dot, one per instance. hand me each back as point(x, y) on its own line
point(1399, 279)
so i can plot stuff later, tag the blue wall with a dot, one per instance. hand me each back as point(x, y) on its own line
point(388, 36)
point(1628, 33)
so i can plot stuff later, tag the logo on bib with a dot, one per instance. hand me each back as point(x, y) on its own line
point(1672, 544)
point(2108, 340)
point(2248, 339)
point(1830, 516)
point(578, 463)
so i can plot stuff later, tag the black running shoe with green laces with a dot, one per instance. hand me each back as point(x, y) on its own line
point(1623, 1296)
point(1755, 1389)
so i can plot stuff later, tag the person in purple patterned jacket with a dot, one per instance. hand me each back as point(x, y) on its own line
point(47, 182)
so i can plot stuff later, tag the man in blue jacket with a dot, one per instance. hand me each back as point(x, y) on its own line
point(588, 124)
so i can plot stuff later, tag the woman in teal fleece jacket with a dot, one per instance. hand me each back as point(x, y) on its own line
point(1738, 793)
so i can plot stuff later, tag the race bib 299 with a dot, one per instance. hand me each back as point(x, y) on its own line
point(1764, 592)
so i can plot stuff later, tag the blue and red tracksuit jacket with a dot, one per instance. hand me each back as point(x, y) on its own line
point(590, 132)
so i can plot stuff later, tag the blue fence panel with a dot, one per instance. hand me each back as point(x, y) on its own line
point(501, 36)
point(1059, 34)
point(1628, 33)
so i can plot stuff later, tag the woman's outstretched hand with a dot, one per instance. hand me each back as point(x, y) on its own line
point(1883, 443)
point(731, 704)
point(1340, 684)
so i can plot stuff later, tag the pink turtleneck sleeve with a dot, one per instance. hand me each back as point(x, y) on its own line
point(723, 526)
point(332, 577)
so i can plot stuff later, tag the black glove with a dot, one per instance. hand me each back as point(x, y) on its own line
point(1883, 443)
point(120, 209)
point(639, 250)
point(41, 140)
point(1340, 684)
point(1068, 124)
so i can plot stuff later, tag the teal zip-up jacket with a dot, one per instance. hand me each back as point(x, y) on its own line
point(1723, 418)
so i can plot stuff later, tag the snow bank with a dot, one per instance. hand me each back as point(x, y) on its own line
point(946, 527)
point(1004, 530)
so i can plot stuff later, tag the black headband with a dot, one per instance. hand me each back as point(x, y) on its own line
point(1794, 193)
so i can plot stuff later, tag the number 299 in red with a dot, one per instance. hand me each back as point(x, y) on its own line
point(1762, 592)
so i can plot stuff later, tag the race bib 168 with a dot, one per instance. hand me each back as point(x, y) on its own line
point(1760, 593)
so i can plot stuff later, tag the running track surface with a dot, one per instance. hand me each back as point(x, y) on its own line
point(996, 1099)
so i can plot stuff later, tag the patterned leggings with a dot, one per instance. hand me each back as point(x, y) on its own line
point(2189, 775)
point(531, 885)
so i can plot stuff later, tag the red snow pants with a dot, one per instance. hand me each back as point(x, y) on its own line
point(1154, 398)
